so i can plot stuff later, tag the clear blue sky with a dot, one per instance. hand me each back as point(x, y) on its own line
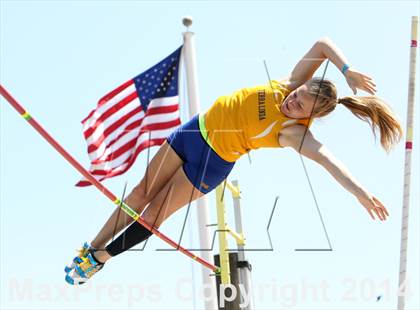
point(59, 57)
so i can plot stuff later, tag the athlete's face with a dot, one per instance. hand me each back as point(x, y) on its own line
point(298, 104)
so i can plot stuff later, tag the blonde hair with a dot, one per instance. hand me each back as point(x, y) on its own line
point(370, 109)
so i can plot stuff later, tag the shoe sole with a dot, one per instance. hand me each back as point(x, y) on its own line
point(71, 281)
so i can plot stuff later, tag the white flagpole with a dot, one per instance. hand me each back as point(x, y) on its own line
point(209, 283)
point(407, 167)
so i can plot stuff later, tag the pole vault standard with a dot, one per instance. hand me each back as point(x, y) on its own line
point(407, 167)
point(98, 185)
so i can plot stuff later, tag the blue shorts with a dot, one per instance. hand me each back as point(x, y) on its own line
point(202, 165)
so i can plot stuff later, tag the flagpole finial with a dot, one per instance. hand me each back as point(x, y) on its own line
point(187, 21)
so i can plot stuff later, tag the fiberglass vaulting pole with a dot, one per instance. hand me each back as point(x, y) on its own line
point(202, 211)
point(402, 284)
point(133, 214)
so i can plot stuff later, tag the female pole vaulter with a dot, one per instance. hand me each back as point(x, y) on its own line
point(200, 154)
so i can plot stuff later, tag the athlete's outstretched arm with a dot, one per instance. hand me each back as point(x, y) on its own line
point(313, 149)
point(324, 49)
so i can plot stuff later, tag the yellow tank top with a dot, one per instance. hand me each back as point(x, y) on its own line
point(248, 119)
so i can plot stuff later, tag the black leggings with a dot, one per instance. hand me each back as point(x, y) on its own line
point(134, 234)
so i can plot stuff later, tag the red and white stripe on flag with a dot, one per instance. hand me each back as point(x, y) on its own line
point(135, 116)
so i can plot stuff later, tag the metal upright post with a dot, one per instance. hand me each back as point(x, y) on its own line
point(402, 284)
point(244, 267)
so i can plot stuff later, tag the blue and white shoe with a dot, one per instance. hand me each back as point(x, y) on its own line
point(83, 252)
point(84, 268)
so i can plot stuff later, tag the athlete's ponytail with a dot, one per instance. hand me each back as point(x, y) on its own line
point(372, 110)
point(378, 114)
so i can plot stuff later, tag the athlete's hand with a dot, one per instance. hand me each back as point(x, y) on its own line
point(358, 80)
point(373, 206)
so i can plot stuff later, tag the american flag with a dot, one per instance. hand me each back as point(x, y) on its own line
point(139, 114)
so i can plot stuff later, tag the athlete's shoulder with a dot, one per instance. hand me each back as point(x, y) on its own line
point(293, 130)
point(283, 83)
point(291, 135)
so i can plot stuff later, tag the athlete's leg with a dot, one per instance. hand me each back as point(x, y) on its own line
point(161, 168)
point(177, 193)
